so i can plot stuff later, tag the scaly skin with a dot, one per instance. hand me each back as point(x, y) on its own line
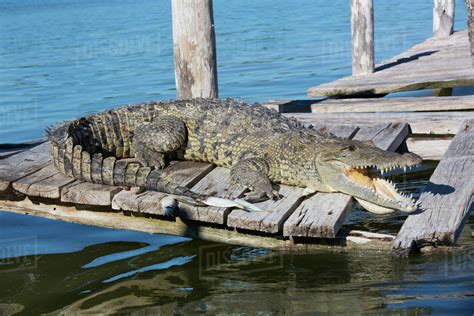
point(259, 145)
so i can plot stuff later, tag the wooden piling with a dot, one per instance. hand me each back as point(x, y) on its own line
point(470, 26)
point(362, 29)
point(194, 49)
point(443, 17)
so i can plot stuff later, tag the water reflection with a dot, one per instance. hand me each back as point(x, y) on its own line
point(197, 276)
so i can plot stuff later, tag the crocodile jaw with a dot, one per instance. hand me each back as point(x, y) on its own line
point(374, 208)
point(366, 185)
point(378, 196)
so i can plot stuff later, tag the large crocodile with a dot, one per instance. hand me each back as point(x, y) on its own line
point(260, 146)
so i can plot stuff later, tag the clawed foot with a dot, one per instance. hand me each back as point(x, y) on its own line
point(152, 160)
point(137, 190)
point(260, 196)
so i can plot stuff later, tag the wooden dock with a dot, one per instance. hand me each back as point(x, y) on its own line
point(433, 120)
point(436, 63)
point(29, 184)
point(440, 63)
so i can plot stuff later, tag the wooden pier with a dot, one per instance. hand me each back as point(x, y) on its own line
point(440, 63)
point(439, 128)
point(434, 64)
point(433, 120)
point(29, 184)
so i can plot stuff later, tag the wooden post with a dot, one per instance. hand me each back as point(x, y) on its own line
point(194, 48)
point(470, 25)
point(362, 29)
point(443, 17)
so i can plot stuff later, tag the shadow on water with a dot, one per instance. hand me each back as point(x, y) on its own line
point(184, 276)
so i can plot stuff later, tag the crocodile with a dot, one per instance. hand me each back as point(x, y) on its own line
point(129, 145)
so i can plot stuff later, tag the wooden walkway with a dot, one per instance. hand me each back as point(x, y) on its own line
point(435, 63)
point(30, 184)
point(433, 120)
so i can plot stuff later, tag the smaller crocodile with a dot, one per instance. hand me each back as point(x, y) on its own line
point(128, 146)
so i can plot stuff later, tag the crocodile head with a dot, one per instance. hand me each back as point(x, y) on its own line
point(356, 168)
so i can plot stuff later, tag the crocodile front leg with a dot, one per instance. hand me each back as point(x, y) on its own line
point(253, 174)
point(158, 140)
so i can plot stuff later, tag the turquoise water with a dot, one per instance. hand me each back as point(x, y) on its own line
point(62, 59)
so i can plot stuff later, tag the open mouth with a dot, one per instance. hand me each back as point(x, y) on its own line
point(375, 188)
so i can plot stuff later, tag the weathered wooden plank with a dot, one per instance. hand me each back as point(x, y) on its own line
point(216, 183)
point(428, 148)
point(368, 132)
point(454, 42)
point(386, 136)
point(46, 182)
point(420, 123)
point(352, 240)
point(270, 221)
point(194, 49)
point(50, 187)
point(344, 131)
point(7, 152)
point(10, 149)
point(407, 104)
point(89, 193)
point(447, 198)
point(185, 173)
point(319, 216)
point(362, 30)
point(24, 183)
point(392, 136)
point(436, 63)
point(147, 202)
point(22, 164)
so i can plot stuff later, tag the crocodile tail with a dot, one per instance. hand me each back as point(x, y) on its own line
point(58, 137)
point(71, 159)
point(83, 150)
